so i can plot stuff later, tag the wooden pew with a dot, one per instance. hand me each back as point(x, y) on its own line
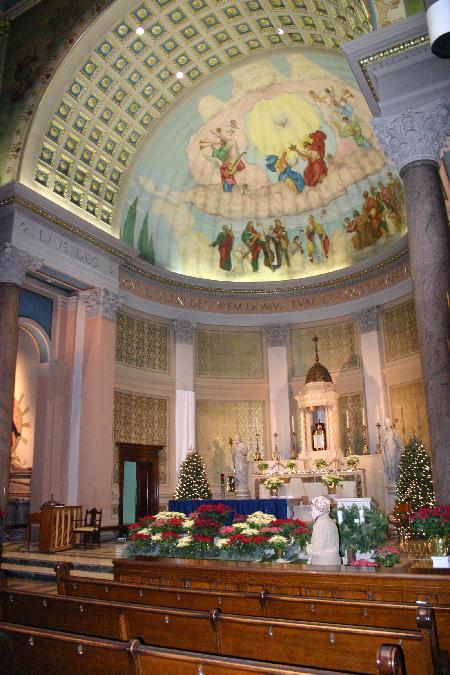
point(274, 640)
point(353, 612)
point(39, 651)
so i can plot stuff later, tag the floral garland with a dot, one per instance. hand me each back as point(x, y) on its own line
point(206, 534)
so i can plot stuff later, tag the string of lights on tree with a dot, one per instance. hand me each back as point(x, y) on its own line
point(193, 480)
point(415, 481)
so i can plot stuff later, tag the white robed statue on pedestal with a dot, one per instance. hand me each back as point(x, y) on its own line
point(239, 466)
point(391, 449)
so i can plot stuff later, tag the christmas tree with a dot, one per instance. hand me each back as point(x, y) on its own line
point(193, 481)
point(415, 482)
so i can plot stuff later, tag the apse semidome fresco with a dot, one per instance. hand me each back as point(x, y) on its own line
point(268, 172)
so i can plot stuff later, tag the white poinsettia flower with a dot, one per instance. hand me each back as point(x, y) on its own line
point(156, 537)
point(277, 540)
point(184, 541)
point(221, 542)
point(249, 531)
point(145, 530)
point(240, 526)
point(188, 524)
point(260, 518)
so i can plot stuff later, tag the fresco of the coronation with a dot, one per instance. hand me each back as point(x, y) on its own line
point(271, 173)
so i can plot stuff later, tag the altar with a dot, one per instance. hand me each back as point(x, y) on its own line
point(305, 485)
point(277, 507)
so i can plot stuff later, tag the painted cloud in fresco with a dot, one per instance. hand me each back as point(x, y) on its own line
point(272, 174)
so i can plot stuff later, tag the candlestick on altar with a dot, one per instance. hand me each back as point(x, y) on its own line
point(378, 425)
point(257, 456)
point(365, 447)
point(348, 443)
point(294, 453)
point(276, 452)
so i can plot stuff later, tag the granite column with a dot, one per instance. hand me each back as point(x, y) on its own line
point(412, 141)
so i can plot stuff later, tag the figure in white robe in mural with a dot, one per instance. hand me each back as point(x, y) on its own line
point(391, 449)
point(239, 467)
point(324, 546)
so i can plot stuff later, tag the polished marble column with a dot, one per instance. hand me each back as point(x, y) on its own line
point(14, 264)
point(277, 363)
point(185, 432)
point(412, 141)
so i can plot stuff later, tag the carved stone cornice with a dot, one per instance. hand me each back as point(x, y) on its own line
point(184, 331)
point(276, 335)
point(414, 135)
point(367, 319)
point(101, 302)
point(14, 264)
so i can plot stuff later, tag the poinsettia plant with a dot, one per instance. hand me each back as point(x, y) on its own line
point(431, 522)
point(387, 556)
point(259, 536)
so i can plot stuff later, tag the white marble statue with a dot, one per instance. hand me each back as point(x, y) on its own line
point(324, 546)
point(239, 467)
point(391, 449)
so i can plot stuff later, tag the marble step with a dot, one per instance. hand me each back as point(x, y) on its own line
point(46, 573)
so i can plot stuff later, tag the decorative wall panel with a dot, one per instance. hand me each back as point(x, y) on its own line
point(352, 403)
point(217, 422)
point(142, 343)
point(229, 354)
point(338, 347)
point(408, 411)
point(141, 419)
point(400, 331)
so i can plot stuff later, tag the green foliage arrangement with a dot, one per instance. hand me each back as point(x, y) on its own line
point(352, 461)
point(361, 536)
point(263, 466)
point(332, 480)
point(193, 481)
point(415, 482)
point(321, 464)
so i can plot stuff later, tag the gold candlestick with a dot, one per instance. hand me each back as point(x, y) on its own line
point(276, 452)
point(378, 425)
point(365, 447)
point(258, 455)
point(348, 442)
point(294, 453)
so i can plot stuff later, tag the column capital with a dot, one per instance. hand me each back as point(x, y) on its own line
point(367, 319)
point(14, 264)
point(101, 302)
point(276, 335)
point(184, 331)
point(414, 135)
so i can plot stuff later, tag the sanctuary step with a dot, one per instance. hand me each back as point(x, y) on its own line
point(17, 562)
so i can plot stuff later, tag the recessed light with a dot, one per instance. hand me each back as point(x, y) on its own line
point(180, 74)
point(280, 31)
point(140, 30)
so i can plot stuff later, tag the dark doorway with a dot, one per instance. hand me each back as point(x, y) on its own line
point(138, 481)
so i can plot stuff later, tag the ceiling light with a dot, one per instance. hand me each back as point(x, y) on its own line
point(140, 30)
point(280, 31)
point(180, 74)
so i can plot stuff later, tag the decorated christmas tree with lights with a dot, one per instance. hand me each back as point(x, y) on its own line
point(415, 482)
point(193, 480)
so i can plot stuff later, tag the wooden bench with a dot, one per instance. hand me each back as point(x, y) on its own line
point(39, 651)
point(274, 640)
point(264, 604)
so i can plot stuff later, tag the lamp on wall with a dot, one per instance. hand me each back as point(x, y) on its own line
point(438, 22)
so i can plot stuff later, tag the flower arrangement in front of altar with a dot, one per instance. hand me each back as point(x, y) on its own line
point(332, 480)
point(387, 556)
point(273, 483)
point(360, 528)
point(205, 534)
point(431, 522)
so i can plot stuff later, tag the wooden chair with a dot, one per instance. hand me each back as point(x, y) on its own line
point(89, 529)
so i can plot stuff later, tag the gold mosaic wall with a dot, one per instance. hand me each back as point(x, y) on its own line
point(353, 403)
point(141, 419)
point(400, 331)
point(142, 343)
point(338, 347)
point(408, 411)
point(217, 422)
point(229, 354)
